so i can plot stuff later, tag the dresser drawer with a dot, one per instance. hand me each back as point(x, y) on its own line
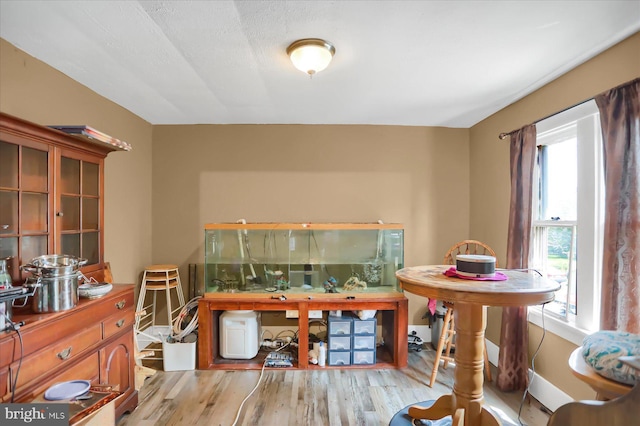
point(44, 330)
point(87, 369)
point(58, 354)
point(4, 383)
point(118, 322)
point(114, 305)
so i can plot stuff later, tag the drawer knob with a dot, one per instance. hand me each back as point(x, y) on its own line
point(120, 323)
point(120, 304)
point(65, 353)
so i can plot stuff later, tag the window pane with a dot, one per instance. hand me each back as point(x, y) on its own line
point(90, 247)
point(34, 212)
point(70, 176)
point(90, 182)
point(8, 165)
point(35, 170)
point(33, 247)
point(9, 249)
point(8, 212)
point(559, 181)
point(71, 213)
point(71, 245)
point(90, 213)
point(554, 256)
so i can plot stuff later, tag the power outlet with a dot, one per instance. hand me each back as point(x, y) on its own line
point(312, 314)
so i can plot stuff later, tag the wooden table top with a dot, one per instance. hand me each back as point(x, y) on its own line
point(603, 386)
point(520, 288)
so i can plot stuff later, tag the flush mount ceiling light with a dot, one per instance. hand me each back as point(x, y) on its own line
point(311, 55)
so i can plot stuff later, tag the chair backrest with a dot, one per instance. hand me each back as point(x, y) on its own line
point(468, 247)
point(621, 411)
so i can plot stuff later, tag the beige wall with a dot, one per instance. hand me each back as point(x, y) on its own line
point(411, 175)
point(34, 91)
point(490, 185)
point(291, 173)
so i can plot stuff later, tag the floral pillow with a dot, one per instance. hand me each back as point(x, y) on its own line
point(602, 349)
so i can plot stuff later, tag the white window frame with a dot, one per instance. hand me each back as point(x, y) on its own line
point(589, 224)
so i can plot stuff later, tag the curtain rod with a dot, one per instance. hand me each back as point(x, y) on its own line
point(502, 136)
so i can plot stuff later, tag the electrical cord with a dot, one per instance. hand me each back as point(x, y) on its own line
point(16, 327)
point(264, 364)
point(264, 331)
point(190, 307)
point(235, 421)
point(294, 334)
point(533, 366)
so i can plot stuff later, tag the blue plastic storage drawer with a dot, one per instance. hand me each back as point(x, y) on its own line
point(337, 358)
point(364, 357)
point(339, 343)
point(340, 326)
point(367, 326)
point(364, 342)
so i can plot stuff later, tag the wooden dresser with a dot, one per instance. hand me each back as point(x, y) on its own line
point(93, 341)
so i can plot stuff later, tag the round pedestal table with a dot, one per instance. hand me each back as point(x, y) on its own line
point(465, 404)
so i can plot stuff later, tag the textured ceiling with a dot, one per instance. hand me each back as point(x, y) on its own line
point(426, 63)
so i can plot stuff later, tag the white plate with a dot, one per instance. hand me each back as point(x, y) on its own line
point(67, 390)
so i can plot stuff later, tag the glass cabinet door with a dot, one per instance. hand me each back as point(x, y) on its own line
point(24, 204)
point(79, 213)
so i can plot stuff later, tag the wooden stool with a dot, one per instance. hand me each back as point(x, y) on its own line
point(158, 278)
point(446, 341)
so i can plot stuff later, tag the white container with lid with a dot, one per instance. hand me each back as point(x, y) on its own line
point(239, 334)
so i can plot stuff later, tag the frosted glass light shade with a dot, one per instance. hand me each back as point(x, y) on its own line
point(311, 55)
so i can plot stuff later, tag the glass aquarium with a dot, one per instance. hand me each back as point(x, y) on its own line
point(303, 257)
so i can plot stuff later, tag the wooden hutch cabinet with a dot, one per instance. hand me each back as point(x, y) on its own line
point(51, 195)
point(52, 202)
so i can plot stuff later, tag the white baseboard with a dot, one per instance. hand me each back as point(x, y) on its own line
point(541, 389)
point(422, 331)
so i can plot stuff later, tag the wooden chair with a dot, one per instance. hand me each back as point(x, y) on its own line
point(447, 334)
point(621, 411)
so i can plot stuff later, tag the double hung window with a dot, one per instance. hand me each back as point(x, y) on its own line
point(568, 218)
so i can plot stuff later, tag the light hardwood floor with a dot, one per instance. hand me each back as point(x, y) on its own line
point(306, 397)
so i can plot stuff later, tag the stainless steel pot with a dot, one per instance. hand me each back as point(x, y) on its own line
point(54, 294)
point(54, 265)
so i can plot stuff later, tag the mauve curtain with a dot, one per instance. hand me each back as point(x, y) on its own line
point(513, 362)
point(620, 120)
